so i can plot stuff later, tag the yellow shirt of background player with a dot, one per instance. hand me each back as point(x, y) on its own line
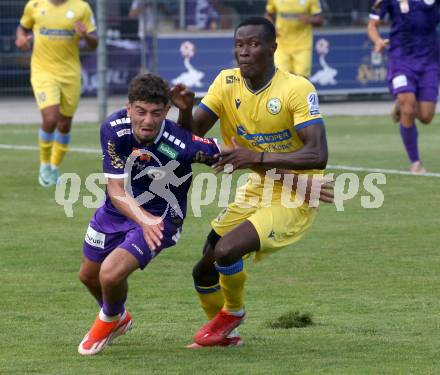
point(292, 34)
point(267, 119)
point(56, 45)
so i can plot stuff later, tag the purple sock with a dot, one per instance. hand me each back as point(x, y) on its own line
point(112, 309)
point(409, 138)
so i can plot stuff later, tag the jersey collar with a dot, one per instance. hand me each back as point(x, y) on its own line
point(159, 135)
point(261, 89)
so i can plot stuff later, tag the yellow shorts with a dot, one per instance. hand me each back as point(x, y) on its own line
point(277, 226)
point(298, 62)
point(51, 90)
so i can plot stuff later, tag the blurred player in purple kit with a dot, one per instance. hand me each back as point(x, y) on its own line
point(413, 70)
point(140, 146)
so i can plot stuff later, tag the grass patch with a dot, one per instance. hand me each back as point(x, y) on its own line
point(370, 276)
point(291, 319)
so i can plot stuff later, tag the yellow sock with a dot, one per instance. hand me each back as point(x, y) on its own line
point(45, 151)
point(232, 279)
point(60, 147)
point(45, 141)
point(211, 299)
point(58, 152)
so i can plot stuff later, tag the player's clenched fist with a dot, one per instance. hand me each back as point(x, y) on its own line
point(23, 42)
point(381, 44)
point(152, 229)
point(80, 29)
point(182, 97)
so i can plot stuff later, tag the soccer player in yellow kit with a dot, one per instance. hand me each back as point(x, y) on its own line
point(294, 21)
point(270, 119)
point(57, 26)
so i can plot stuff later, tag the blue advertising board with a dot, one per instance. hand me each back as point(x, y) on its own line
point(343, 62)
point(194, 60)
point(123, 64)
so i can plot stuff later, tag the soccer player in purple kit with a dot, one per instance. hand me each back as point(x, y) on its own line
point(148, 151)
point(413, 70)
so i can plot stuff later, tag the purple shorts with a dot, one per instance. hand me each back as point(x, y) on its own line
point(107, 231)
point(421, 79)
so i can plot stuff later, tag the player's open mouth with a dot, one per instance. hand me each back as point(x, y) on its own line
point(146, 131)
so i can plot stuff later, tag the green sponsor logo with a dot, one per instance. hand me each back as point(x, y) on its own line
point(168, 151)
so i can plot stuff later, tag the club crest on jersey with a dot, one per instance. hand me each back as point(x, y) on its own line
point(313, 102)
point(42, 96)
point(143, 157)
point(274, 106)
point(70, 14)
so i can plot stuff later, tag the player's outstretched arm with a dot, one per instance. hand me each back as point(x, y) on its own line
point(23, 39)
point(313, 155)
point(374, 35)
point(315, 185)
point(91, 39)
point(183, 98)
point(202, 122)
point(199, 123)
point(152, 226)
point(314, 20)
point(312, 184)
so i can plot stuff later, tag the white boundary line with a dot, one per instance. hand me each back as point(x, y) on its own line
point(379, 170)
point(334, 167)
point(34, 148)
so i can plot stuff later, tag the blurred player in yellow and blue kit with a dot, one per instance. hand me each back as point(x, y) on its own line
point(56, 27)
point(294, 21)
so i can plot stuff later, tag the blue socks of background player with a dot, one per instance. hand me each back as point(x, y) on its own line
point(410, 141)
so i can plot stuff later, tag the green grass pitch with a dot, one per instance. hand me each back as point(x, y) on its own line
point(368, 277)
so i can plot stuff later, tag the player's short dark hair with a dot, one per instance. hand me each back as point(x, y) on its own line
point(148, 88)
point(269, 29)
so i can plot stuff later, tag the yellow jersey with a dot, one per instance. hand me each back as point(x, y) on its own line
point(56, 45)
point(266, 119)
point(293, 34)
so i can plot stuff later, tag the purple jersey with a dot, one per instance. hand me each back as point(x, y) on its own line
point(413, 27)
point(200, 14)
point(163, 175)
